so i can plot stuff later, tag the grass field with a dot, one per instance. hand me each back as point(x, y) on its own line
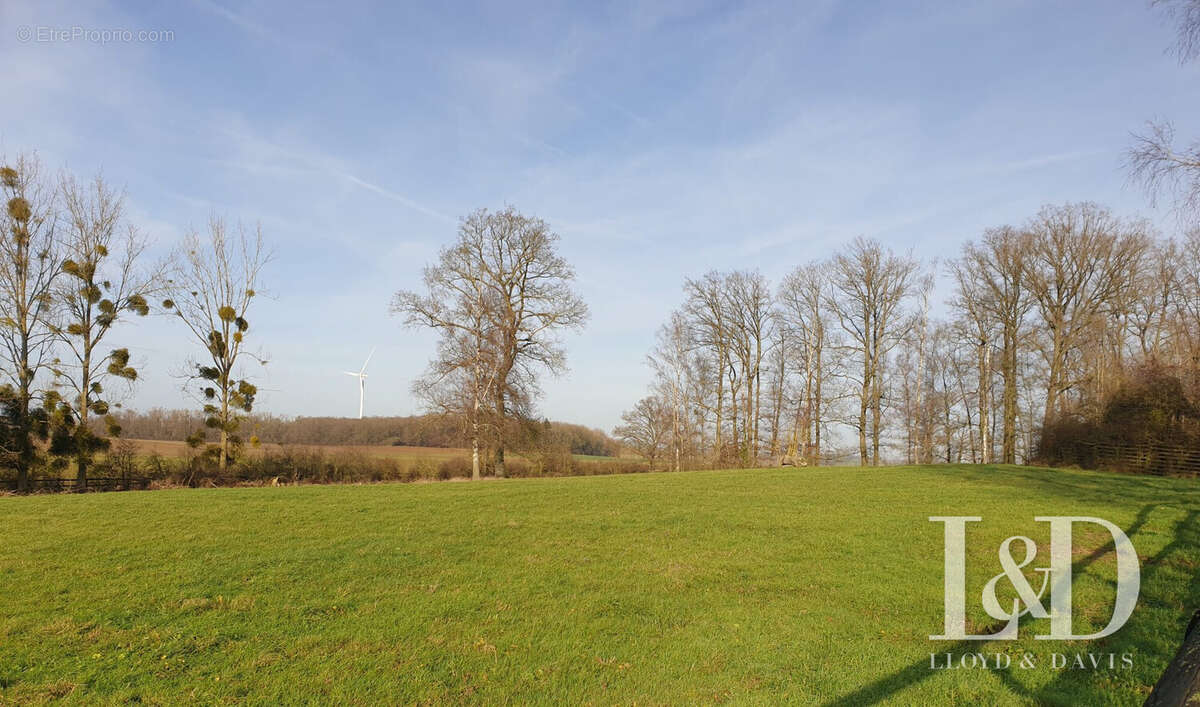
point(760, 586)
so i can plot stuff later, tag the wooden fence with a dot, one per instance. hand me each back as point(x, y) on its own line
point(1158, 459)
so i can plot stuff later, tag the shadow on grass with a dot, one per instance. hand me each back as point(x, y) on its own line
point(1088, 486)
point(1170, 596)
point(1170, 592)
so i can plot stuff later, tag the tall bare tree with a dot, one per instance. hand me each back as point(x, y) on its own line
point(991, 286)
point(462, 378)
point(869, 287)
point(673, 362)
point(923, 441)
point(505, 293)
point(978, 322)
point(803, 297)
point(1079, 265)
point(708, 312)
point(103, 280)
point(748, 301)
point(217, 280)
point(30, 263)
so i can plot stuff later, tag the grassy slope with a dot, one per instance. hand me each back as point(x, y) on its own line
point(756, 586)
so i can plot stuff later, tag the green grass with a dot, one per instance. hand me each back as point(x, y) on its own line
point(762, 586)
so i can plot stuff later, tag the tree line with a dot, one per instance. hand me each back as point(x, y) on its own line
point(413, 430)
point(845, 358)
point(73, 268)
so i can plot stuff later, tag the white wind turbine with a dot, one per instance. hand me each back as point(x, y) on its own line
point(362, 382)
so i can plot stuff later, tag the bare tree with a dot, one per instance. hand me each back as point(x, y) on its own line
point(1187, 311)
point(102, 282)
point(462, 379)
point(708, 313)
point(778, 363)
point(945, 374)
point(992, 287)
point(30, 263)
point(748, 301)
point(217, 281)
point(1079, 265)
point(505, 293)
point(671, 360)
point(923, 439)
point(1163, 169)
point(647, 429)
point(979, 319)
point(1157, 301)
point(1186, 13)
point(1153, 160)
point(869, 287)
point(803, 297)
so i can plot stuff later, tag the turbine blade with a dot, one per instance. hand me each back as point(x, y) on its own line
point(368, 359)
point(350, 373)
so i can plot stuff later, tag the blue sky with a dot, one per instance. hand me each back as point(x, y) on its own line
point(661, 140)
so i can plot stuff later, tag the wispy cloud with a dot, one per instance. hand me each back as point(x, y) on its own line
point(399, 198)
point(263, 32)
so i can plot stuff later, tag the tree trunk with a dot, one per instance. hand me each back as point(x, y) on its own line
point(749, 424)
point(807, 405)
point(985, 402)
point(733, 422)
point(720, 368)
point(757, 395)
point(864, 404)
point(500, 413)
point(678, 434)
point(1053, 381)
point(25, 448)
point(922, 421)
point(778, 410)
point(223, 462)
point(815, 404)
point(475, 452)
point(23, 459)
point(83, 456)
point(1009, 449)
point(81, 467)
point(946, 414)
point(876, 408)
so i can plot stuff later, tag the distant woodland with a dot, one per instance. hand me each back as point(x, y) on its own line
point(415, 431)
